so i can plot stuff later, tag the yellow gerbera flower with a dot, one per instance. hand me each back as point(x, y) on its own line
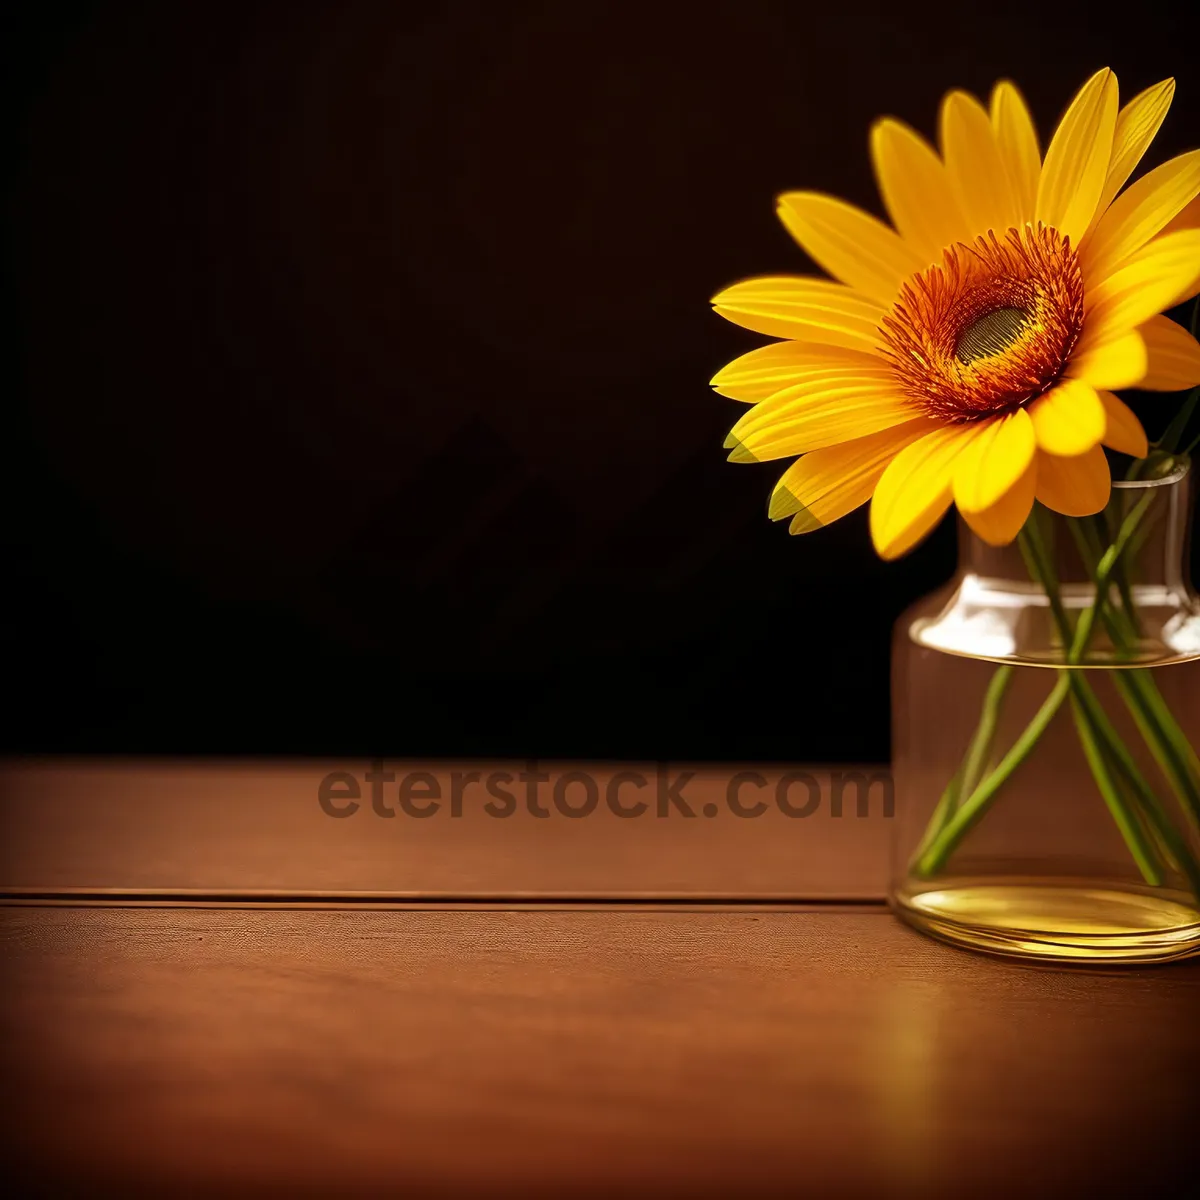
point(969, 354)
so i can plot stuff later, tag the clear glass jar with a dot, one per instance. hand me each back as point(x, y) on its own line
point(1047, 786)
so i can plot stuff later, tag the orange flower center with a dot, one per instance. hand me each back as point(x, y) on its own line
point(991, 327)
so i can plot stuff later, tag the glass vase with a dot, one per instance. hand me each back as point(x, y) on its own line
point(1046, 709)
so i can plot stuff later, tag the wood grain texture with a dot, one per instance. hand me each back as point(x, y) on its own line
point(240, 826)
point(825, 1053)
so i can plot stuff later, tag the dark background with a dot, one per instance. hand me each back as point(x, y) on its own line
point(356, 370)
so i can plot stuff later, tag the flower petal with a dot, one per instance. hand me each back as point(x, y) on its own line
point(807, 309)
point(1068, 419)
point(1148, 282)
point(1118, 363)
point(1000, 524)
point(764, 372)
point(994, 462)
point(1187, 292)
point(850, 244)
point(1017, 139)
point(1137, 123)
point(768, 370)
point(1143, 209)
point(1077, 486)
point(1124, 431)
point(821, 411)
point(1188, 218)
point(916, 489)
point(1076, 165)
point(816, 368)
point(974, 166)
point(1174, 356)
point(916, 190)
point(820, 487)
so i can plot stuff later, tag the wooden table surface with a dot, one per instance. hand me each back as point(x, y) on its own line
point(691, 1049)
point(244, 826)
point(826, 1052)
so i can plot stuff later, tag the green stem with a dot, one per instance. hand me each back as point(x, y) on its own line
point(1126, 822)
point(1163, 737)
point(982, 742)
point(974, 806)
point(1100, 536)
point(1174, 845)
point(1040, 566)
point(967, 776)
point(977, 802)
point(1136, 687)
point(1188, 764)
point(1175, 848)
point(1100, 741)
point(945, 808)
